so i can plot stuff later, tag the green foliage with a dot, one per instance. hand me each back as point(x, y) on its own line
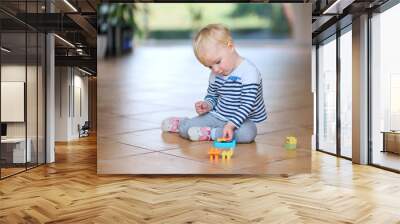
point(246, 20)
point(246, 9)
point(196, 15)
point(117, 14)
point(271, 12)
point(280, 23)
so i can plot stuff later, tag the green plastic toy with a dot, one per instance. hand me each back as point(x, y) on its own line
point(291, 143)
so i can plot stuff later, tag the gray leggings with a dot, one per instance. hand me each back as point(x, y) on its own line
point(245, 134)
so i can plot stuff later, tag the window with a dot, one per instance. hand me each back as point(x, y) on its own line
point(385, 89)
point(22, 88)
point(346, 94)
point(327, 96)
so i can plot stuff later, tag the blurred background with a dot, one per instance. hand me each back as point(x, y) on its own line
point(147, 72)
point(121, 26)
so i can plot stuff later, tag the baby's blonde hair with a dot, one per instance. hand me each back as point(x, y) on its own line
point(212, 32)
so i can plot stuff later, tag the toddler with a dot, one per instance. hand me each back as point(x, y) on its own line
point(234, 100)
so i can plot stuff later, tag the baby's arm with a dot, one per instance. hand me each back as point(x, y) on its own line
point(212, 97)
point(202, 107)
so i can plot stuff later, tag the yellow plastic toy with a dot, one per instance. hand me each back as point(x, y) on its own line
point(227, 154)
point(214, 153)
point(291, 142)
point(222, 147)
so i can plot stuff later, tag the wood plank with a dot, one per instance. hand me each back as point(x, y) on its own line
point(70, 191)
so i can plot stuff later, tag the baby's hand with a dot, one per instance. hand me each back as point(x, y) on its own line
point(228, 131)
point(202, 107)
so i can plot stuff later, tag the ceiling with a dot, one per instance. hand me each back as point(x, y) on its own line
point(74, 22)
point(331, 15)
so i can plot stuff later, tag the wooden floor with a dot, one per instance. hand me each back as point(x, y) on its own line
point(70, 191)
point(138, 91)
point(10, 171)
point(386, 159)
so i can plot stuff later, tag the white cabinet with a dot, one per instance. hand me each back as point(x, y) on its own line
point(17, 148)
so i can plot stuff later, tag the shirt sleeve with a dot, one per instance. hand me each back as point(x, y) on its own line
point(250, 87)
point(212, 96)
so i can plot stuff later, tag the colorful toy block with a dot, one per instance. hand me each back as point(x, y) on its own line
point(214, 153)
point(227, 154)
point(291, 143)
point(222, 147)
point(222, 143)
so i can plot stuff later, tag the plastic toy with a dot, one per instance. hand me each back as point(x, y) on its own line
point(291, 142)
point(227, 154)
point(222, 147)
point(214, 153)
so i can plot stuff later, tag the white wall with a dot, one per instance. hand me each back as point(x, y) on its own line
point(12, 101)
point(360, 90)
point(50, 92)
point(80, 84)
point(314, 91)
point(17, 73)
point(70, 84)
point(62, 81)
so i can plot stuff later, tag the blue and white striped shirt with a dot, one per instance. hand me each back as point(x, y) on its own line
point(237, 96)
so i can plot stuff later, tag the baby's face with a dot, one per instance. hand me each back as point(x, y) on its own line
point(220, 59)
